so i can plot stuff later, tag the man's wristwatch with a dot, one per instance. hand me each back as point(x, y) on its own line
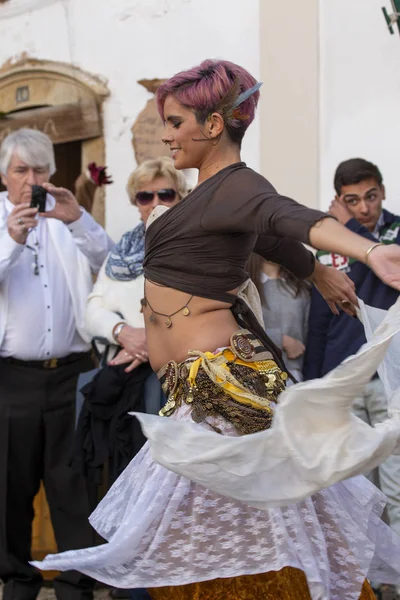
point(117, 330)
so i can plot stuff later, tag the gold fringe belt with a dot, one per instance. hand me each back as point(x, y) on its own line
point(241, 383)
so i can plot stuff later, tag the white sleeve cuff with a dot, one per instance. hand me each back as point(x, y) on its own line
point(10, 248)
point(82, 225)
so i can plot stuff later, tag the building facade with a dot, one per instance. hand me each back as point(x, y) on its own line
point(331, 74)
point(330, 68)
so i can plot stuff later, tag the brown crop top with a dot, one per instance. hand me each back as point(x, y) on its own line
point(201, 246)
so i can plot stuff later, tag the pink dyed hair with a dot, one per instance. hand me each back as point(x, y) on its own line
point(203, 87)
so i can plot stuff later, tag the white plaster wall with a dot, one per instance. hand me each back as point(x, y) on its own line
point(127, 40)
point(360, 92)
point(290, 97)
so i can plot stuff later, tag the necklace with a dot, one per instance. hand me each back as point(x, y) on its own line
point(168, 321)
point(35, 251)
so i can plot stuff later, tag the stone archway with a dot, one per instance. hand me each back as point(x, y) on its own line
point(59, 99)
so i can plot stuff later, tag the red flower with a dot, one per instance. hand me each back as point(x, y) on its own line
point(99, 175)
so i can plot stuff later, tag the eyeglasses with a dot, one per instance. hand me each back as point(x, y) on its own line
point(167, 195)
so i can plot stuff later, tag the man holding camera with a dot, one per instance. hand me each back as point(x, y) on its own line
point(46, 265)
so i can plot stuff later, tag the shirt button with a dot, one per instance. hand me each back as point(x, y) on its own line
point(49, 330)
point(45, 285)
point(48, 307)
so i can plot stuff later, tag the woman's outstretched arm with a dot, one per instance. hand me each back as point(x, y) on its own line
point(335, 287)
point(329, 234)
point(384, 260)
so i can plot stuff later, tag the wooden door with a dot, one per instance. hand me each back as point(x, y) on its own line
point(43, 541)
point(68, 163)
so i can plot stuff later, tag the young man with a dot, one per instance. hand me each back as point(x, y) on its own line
point(358, 205)
point(46, 266)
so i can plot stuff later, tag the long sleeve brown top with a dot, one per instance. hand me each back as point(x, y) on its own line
point(201, 245)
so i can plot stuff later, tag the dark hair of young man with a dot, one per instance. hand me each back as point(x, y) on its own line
point(353, 171)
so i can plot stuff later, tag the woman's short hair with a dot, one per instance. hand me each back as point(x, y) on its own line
point(149, 170)
point(33, 147)
point(209, 88)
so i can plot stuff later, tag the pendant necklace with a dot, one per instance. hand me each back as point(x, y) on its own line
point(168, 318)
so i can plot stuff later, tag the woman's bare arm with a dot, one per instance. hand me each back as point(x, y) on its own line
point(383, 259)
point(329, 234)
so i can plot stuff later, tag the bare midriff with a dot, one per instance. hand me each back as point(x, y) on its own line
point(208, 326)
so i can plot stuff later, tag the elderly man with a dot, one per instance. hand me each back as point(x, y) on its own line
point(46, 266)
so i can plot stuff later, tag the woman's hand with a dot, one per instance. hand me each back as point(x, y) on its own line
point(293, 348)
point(385, 262)
point(336, 288)
point(123, 357)
point(133, 340)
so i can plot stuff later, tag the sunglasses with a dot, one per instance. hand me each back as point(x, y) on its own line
point(167, 195)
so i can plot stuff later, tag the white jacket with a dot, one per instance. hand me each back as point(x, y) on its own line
point(81, 247)
point(110, 297)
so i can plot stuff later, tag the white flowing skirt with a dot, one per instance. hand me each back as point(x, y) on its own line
point(163, 528)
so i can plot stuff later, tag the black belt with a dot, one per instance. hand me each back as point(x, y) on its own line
point(50, 363)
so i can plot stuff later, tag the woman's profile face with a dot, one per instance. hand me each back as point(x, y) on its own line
point(181, 131)
point(147, 196)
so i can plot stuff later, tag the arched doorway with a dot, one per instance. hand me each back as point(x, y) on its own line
point(66, 104)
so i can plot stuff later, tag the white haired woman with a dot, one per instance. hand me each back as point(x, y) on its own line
point(119, 286)
point(114, 314)
point(114, 317)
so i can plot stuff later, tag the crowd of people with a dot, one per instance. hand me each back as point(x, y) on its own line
point(203, 313)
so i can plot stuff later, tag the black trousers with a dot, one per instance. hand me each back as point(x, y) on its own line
point(37, 412)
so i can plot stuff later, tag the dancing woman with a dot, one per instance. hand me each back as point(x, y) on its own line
point(220, 372)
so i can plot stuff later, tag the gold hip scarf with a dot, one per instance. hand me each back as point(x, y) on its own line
point(287, 584)
point(240, 383)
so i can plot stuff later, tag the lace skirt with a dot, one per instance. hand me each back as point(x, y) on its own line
point(162, 529)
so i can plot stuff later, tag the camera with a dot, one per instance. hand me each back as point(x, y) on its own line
point(38, 198)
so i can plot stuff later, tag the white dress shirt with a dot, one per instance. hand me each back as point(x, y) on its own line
point(41, 321)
